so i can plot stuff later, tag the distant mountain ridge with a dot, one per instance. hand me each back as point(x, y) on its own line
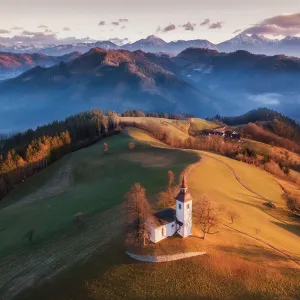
point(199, 81)
point(13, 64)
point(254, 43)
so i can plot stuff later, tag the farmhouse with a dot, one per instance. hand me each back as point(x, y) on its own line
point(172, 221)
point(223, 132)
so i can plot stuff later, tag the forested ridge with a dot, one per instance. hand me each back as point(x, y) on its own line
point(268, 119)
point(24, 154)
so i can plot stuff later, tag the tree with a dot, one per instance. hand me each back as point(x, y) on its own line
point(233, 215)
point(171, 177)
point(105, 147)
point(165, 199)
point(138, 211)
point(206, 215)
point(131, 145)
point(29, 235)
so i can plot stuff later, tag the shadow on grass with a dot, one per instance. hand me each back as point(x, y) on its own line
point(252, 196)
point(253, 252)
point(293, 228)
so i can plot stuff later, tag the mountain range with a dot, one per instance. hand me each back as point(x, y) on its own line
point(13, 64)
point(256, 44)
point(199, 81)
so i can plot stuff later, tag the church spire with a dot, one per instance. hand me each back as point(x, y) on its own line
point(183, 183)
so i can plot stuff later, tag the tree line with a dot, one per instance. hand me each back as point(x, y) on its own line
point(140, 113)
point(267, 119)
point(24, 154)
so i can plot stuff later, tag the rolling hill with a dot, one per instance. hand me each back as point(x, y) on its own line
point(248, 256)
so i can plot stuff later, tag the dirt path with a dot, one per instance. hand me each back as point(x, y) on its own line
point(237, 177)
point(264, 243)
point(262, 197)
point(26, 268)
point(58, 184)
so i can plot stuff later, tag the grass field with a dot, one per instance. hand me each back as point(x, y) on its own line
point(253, 258)
point(240, 263)
point(201, 124)
point(99, 182)
point(176, 128)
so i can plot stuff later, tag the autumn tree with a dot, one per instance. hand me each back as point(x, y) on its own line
point(131, 145)
point(206, 215)
point(233, 215)
point(138, 211)
point(171, 177)
point(105, 147)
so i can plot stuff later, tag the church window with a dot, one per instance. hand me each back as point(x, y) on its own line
point(162, 231)
point(188, 206)
point(179, 206)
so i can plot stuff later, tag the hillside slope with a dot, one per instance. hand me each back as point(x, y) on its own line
point(214, 178)
point(248, 256)
point(83, 182)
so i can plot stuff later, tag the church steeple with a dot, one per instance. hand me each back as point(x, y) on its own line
point(184, 186)
point(184, 209)
point(183, 194)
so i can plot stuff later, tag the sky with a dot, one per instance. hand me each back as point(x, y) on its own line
point(63, 21)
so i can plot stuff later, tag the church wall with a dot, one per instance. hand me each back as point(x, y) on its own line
point(171, 229)
point(184, 215)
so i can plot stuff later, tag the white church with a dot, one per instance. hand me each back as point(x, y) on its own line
point(169, 222)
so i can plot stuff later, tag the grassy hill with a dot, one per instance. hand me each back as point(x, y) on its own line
point(256, 257)
point(176, 128)
point(89, 182)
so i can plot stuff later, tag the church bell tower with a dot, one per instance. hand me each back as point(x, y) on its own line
point(184, 207)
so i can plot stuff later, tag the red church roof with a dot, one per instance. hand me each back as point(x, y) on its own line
point(184, 195)
point(183, 183)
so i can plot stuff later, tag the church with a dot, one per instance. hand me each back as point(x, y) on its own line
point(168, 222)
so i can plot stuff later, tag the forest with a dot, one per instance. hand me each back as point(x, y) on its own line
point(24, 154)
point(267, 119)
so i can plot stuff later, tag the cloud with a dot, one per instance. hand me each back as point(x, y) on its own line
point(237, 31)
point(123, 27)
point(205, 22)
point(166, 29)
point(115, 23)
point(266, 98)
point(66, 29)
point(216, 25)
point(43, 26)
point(188, 26)
point(4, 31)
point(279, 25)
point(27, 32)
point(123, 20)
point(101, 23)
point(28, 37)
point(17, 28)
point(118, 41)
